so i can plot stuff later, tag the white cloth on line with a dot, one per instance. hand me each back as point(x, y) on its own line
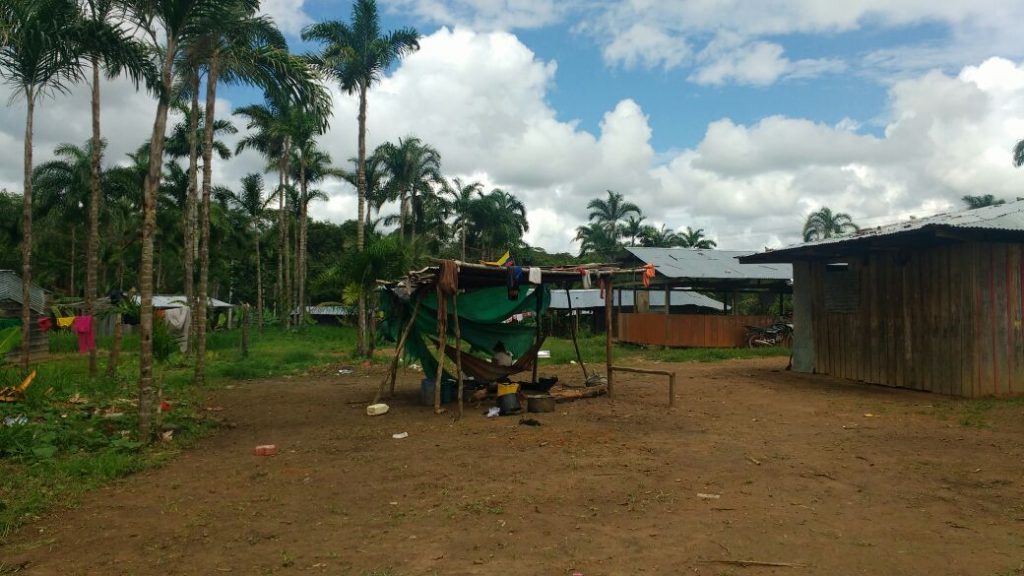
point(534, 275)
point(180, 320)
point(586, 279)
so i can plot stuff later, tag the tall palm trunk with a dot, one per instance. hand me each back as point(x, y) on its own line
point(303, 221)
point(360, 226)
point(26, 235)
point(259, 279)
point(463, 241)
point(204, 226)
point(279, 289)
point(286, 287)
point(189, 235)
point(71, 276)
point(147, 396)
point(402, 208)
point(92, 246)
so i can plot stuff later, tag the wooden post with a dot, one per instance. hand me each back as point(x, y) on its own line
point(672, 389)
point(668, 312)
point(608, 332)
point(536, 336)
point(245, 330)
point(442, 345)
point(390, 375)
point(458, 346)
point(574, 328)
point(671, 378)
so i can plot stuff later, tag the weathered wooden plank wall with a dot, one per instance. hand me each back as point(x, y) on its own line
point(945, 319)
point(687, 330)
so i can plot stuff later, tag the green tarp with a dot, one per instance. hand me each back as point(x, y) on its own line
point(482, 315)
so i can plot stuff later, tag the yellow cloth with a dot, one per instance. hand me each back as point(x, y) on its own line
point(65, 321)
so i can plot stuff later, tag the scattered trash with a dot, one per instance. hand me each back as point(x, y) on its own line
point(12, 394)
point(754, 460)
point(543, 353)
point(400, 435)
point(703, 496)
point(214, 408)
point(493, 411)
point(344, 371)
point(12, 421)
point(365, 364)
point(869, 415)
point(77, 399)
point(165, 406)
point(266, 450)
point(573, 362)
point(377, 409)
point(529, 422)
point(415, 368)
point(167, 436)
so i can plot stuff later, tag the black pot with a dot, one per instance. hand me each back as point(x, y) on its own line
point(509, 404)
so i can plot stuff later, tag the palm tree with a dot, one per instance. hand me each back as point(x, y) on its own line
point(826, 224)
point(271, 127)
point(502, 222)
point(42, 56)
point(243, 48)
point(659, 237)
point(357, 54)
point(464, 198)
point(632, 228)
point(117, 51)
point(597, 241)
point(63, 187)
point(167, 26)
point(973, 202)
point(1018, 154)
point(610, 211)
point(411, 167)
point(312, 166)
point(251, 202)
point(696, 239)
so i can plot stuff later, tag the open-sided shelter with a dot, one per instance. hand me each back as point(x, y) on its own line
point(716, 271)
point(930, 304)
point(472, 303)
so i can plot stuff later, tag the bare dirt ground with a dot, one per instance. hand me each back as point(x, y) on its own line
point(803, 475)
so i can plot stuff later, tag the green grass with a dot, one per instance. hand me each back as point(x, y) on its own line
point(592, 350)
point(66, 448)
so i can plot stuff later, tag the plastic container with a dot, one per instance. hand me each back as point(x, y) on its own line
point(540, 403)
point(376, 409)
point(510, 388)
point(509, 404)
point(449, 390)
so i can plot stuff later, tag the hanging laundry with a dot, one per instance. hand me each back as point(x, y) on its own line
point(180, 320)
point(45, 323)
point(515, 273)
point(535, 275)
point(648, 275)
point(65, 321)
point(82, 325)
point(585, 274)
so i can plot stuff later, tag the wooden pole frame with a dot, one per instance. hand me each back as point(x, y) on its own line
point(442, 345)
point(608, 333)
point(458, 347)
point(392, 372)
point(574, 331)
point(671, 379)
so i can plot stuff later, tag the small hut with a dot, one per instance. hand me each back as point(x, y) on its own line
point(10, 313)
point(929, 304)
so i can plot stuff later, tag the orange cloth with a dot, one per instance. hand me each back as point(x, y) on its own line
point(648, 275)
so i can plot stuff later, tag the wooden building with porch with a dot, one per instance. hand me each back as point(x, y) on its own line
point(10, 314)
point(930, 304)
point(706, 271)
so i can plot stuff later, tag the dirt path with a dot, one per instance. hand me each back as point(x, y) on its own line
point(603, 487)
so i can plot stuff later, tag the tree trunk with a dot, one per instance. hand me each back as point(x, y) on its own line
point(26, 238)
point(259, 280)
point(286, 287)
point(463, 241)
point(115, 348)
point(191, 212)
point(279, 289)
point(401, 213)
point(204, 224)
point(146, 393)
point(303, 201)
point(71, 276)
point(360, 225)
point(92, 246)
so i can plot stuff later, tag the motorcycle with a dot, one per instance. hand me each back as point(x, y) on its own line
point(778, 334)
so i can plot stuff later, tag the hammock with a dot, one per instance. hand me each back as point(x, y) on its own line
point(486, 371)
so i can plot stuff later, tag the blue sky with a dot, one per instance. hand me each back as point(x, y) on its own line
point(736, 116)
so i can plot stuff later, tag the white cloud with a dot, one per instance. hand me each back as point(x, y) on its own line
point(289, 15)
point(486, 14)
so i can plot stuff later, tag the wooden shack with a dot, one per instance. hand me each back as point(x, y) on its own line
point(679, 270)
point(10, 311)
point(930, 304)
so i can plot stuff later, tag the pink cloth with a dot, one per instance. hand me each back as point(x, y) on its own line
point(86, 337)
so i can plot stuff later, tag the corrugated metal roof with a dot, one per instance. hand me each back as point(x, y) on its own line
point(328, 310)
point(1004, 218)
point(591, 298)
point(10, 289)
point(709, 264)
point(162, 301)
